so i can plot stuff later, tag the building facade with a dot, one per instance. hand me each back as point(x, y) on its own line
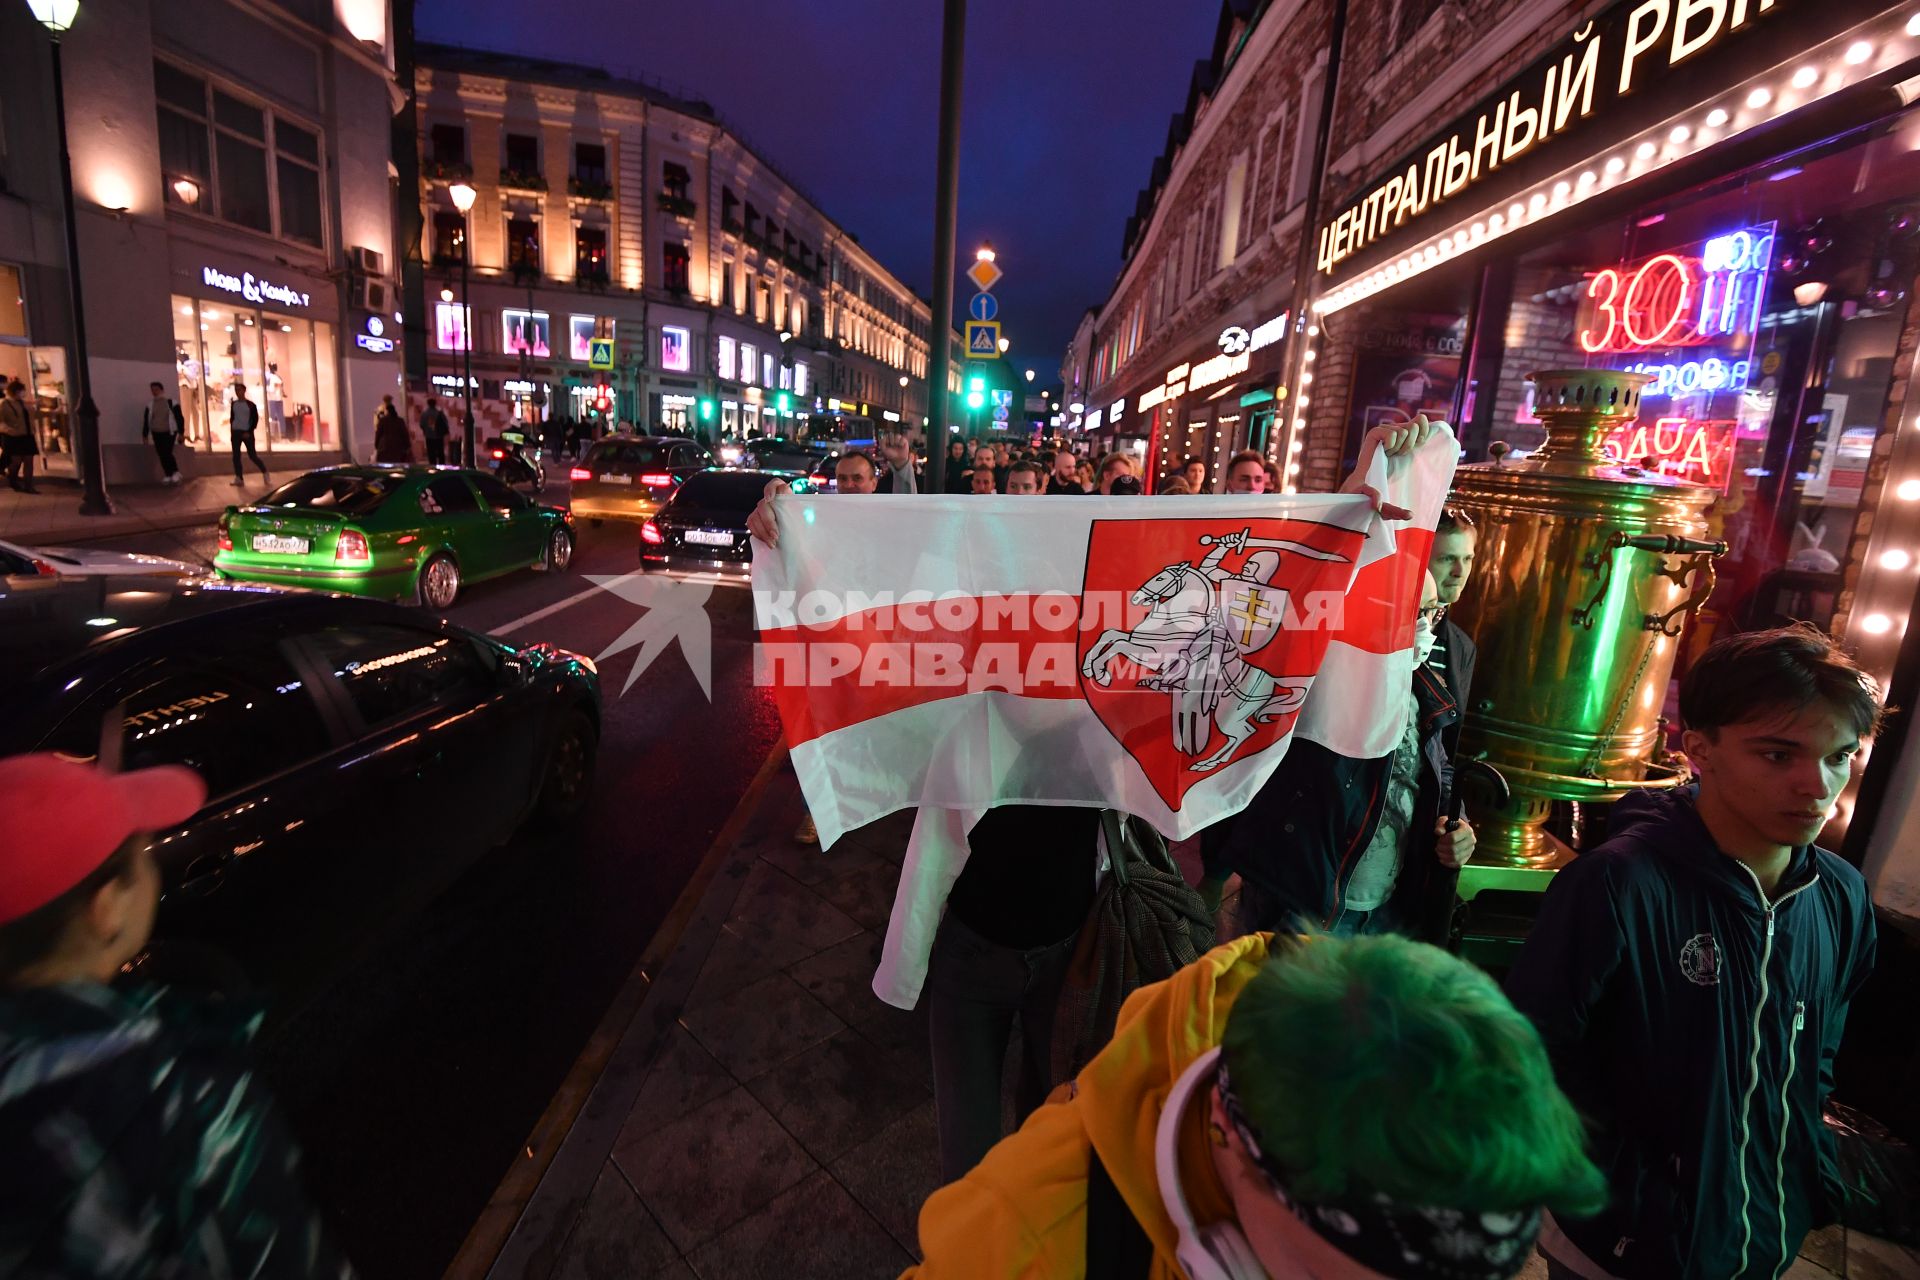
point(634, 261)
point(234, 215)
point(1720, 196)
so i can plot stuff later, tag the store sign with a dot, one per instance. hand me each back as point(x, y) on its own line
point(1679, 299)
point(1093, 420)
point(1266, 334)
point(1696, 451)
point(1218, 369)
point(890, 415)
point(254, 288)
point(452, 383)
point(524, 333)
point(373, 336)
point(1117, 408)
point(1234, 340)
point(1711, 374)
point(1608, 77)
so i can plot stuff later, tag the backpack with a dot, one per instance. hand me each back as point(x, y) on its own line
point(1147, 923)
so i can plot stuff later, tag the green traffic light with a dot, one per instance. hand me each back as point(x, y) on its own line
point(976, 386)
point(975, 400)
point(706, 410)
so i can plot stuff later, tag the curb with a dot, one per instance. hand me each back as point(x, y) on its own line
point(488, 1239)
point(122, 527)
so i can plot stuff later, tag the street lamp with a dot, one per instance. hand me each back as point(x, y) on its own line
point(56, 16)
point(187, 189)
point(1004, 344)
point(985, 252)
point(463, 196)
point(1029, 375)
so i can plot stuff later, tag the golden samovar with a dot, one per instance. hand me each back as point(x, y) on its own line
point(1586, 570)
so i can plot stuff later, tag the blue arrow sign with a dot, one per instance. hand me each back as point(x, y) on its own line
point(983, 307)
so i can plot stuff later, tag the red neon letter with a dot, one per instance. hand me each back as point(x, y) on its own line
point(1676, 294)
point(1605, 307)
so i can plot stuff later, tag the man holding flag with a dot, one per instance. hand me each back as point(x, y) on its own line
point(955, 657)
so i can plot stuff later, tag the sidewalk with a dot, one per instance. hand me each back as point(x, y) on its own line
point(763, 1114)
point(52, 516)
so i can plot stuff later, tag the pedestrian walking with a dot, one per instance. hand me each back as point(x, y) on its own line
point(1691, 975)
point(1026, 478)
point(956, 477)
point(18, 448)
point(434, 430)
point(139, 1140)
point(242, 420)
point(163, 424)
point(1065, 477)
point(391, 442)
point(1326, 1107)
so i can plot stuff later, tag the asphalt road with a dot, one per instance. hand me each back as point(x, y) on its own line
point(415, 1079)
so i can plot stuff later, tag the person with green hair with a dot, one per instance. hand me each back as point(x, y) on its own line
point(1336, 1108)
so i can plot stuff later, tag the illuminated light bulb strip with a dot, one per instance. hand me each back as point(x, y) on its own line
point(1831, 67)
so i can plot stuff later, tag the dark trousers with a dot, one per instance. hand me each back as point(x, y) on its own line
point(1263, 912)
point(976, 990)
point(163, 445)
point(436, 451)
point(244, 440)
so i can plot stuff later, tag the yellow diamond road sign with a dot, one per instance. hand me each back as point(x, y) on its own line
point(600, 353)
point(984, 275)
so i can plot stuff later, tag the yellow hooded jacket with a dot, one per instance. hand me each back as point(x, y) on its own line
point(1022, 1211)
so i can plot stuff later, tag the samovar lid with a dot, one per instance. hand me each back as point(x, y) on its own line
point(1579, 408)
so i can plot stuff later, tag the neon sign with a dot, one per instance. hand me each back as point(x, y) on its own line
point(1696, 450)
point(1711, 374)
point(1680, 300)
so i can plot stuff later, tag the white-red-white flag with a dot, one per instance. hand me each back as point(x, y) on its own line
point(1152, 655)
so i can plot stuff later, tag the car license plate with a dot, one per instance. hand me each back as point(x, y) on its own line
point(710, 537)
point(606, 479)
point(279, 545)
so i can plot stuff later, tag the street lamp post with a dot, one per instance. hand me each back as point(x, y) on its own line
point(56, 16)
point(463, 196)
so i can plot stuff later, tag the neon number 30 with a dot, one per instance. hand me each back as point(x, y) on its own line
point(1673, 294)
point(1607, 281)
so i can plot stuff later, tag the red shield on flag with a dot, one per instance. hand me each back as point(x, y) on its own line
point(1198, 637)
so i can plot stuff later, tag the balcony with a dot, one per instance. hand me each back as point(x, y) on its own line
point(594, 278)
point(730, 225)
point(446, 171)
point(590, 188)
point(678, 206)
point(524, 273)
point(515, 180)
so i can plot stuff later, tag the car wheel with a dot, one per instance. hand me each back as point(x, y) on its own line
point(439, 582)
point(559, 552)
point(569, 777)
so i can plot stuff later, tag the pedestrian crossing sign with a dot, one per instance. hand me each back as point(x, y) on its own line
point(983, 339)
point(600, 353)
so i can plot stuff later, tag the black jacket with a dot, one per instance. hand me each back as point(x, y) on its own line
point(1304, 832)
point(1695, 1025)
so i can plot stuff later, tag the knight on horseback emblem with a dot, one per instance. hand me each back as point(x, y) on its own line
point(1202, 622)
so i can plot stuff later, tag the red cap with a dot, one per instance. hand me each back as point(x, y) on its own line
point(63, 819)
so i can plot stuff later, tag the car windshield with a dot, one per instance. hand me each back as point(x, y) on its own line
point(321, 491)
point(722, 490)
point(633, 454)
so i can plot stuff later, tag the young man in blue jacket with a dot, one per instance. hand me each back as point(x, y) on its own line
point(1691, 975)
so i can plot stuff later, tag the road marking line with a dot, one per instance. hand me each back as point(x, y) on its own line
point(550, 610)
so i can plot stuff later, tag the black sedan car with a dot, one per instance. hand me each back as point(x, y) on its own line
point(359, 756)
point(703, 527)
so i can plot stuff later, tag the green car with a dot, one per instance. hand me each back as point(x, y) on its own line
point(395, 533)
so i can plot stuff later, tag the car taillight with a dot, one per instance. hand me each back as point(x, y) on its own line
point(44, 570)
point(579, 473)
point(650, 533)
point(499, 453)
point(226, 537)
point(352, 546)
point(656, 479)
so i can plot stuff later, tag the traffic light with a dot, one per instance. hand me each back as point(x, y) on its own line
point(785, 404)
point(706, 409)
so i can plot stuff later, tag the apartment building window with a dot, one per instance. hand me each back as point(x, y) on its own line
point(590, 162)
point(447, 145)
point(753, 222)
point(749, 362)
point(449, 237)
point(674, 262)
point(523, 245)
point(729, 211)
point(590, 253)
point(674, 180)
point(728, 350)
point(520, 164)
point(236, 157)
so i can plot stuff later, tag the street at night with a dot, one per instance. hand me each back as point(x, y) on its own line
point(554, 724)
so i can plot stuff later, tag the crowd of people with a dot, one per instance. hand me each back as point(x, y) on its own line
point(1327, 1093)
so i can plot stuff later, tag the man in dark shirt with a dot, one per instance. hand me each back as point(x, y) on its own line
point(999, 958)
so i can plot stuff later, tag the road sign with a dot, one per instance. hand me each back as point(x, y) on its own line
point(983, 307)
point(983, 340)
point(1000, 413)
point(600, 353)
point(984, 275)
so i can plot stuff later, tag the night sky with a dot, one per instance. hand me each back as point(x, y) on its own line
point(1066, 105)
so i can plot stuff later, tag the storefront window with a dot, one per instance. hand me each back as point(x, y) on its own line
point(726, 352)
point(749, 362)
point(1768, 311)
point(285, 362)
